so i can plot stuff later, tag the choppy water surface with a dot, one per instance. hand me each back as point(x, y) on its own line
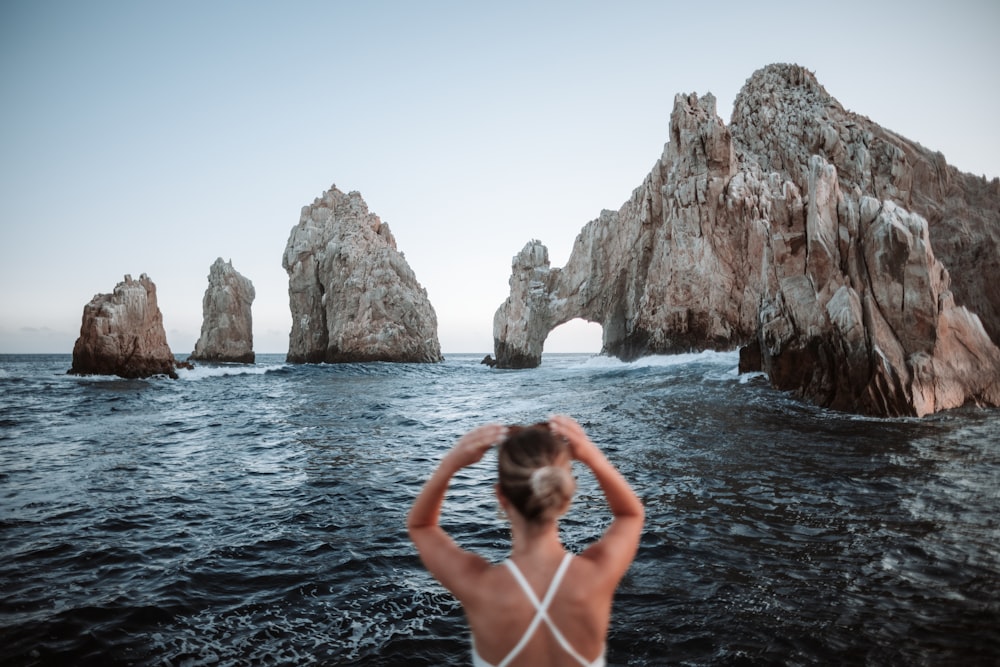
point(254, 515)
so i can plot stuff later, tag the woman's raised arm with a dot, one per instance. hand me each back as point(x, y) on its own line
point(616, 549)
point(444, 559)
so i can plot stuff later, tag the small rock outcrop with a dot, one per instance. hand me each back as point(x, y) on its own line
point(352, 295)
point(227, 324)
point(122, 334)
point(854, 264)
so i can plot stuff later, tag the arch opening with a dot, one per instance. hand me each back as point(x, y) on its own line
point(575, 336)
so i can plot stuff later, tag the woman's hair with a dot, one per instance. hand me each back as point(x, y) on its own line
point(534, 474)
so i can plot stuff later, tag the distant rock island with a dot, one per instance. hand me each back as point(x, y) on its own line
point(352, 295)
point(122, 334)
point(853, 266)
point(227, 322)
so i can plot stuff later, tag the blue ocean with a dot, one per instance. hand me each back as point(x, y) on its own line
point(254, 515)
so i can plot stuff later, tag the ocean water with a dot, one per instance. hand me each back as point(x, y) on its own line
point(254, 515)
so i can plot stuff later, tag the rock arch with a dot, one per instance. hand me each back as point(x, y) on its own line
point(803, 232)
point(624, 263)
point(540, 300)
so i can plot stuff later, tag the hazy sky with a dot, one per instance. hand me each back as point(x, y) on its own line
point(153, 137)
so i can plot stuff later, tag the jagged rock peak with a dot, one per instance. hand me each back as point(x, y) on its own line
point(352, 295)
point(227, 322)
point(122, 334)
point(782, 77)
point(782, 89)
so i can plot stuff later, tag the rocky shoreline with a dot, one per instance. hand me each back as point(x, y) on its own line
point(851, 265)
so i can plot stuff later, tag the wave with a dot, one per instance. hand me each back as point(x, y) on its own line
point(665, 360)
point(746, 378)
point(201, 372)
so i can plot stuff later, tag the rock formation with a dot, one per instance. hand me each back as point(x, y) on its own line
point(227, 324)
point(806, 232)
point(352, 295)
point(122, 334)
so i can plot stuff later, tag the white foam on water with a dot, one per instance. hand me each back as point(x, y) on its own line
point(200, 372)
point(745, 378)
point(664, 360)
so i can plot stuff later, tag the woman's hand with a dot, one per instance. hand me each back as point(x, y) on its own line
point(472, 446)
point(616, 549)
point(580, 446)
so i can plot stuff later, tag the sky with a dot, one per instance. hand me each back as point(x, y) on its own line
point(154, 137)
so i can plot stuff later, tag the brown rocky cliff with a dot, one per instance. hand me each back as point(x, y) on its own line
point(122, 334)
point(801, 229)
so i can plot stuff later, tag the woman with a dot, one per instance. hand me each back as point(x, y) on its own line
point(542, 606)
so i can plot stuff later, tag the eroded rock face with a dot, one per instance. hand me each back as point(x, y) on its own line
point(227, 322)
point(802, 229)
point(352, 295)
point(122, 334)
point(663, 274)
point(522, 323)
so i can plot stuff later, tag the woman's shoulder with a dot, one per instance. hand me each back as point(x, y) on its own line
point(590, 571)
point(493, 590)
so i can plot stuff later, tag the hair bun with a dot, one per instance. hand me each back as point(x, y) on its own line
point(552, 488)
point(534, 472)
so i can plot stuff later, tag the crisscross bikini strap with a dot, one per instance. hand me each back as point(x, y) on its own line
point(539, 613)
point(542, 611)
point(553, 585)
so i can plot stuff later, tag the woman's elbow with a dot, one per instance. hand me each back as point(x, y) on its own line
point(413, 527)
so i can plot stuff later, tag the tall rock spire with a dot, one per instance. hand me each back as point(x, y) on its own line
point(227, 322)
point(352, 295)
